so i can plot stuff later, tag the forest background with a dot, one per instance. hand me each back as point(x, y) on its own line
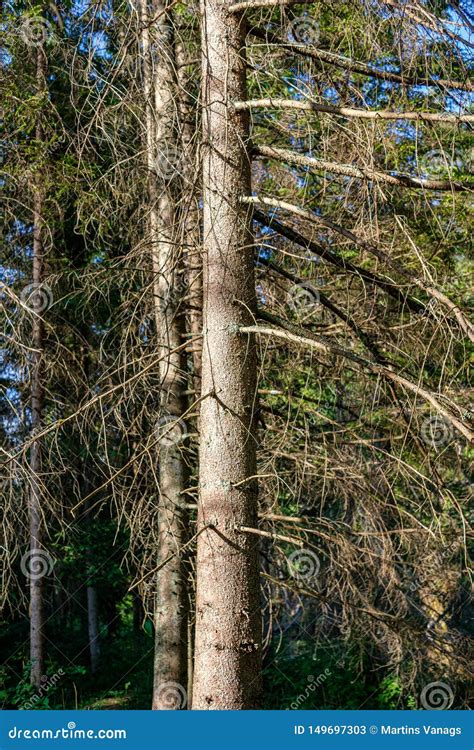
point(237, 274)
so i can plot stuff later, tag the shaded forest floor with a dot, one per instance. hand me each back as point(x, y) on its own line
point(298, 675)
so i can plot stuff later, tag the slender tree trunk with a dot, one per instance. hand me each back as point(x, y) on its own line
point(171, 608)
point(93, 627)
point(37, 405)
point(190, 224)
point(191, 242)
point(227, 673)
point(92, 602)
point(150, 145)
point(91, 590)
point(36, 522)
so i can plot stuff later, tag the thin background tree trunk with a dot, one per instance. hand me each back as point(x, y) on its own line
point(227, 672)
point(92, 599)
point(93, 626)
point(37, 405)
point(170, 663)
point(93, 630)
point(192, 245)
point(190, 227)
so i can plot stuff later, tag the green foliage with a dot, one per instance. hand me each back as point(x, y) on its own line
point(125, 670)
point(350, 454)
point(309, 676)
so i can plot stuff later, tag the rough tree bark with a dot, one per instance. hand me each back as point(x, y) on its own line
point(37, 404)
point(192, 246)
point(170, 664)
point(190, 226)
point(227, 673)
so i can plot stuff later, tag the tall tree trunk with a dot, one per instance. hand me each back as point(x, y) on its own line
point(37, 405)
point(91, 590)
point(192, 245)
point(171, 607)
point(190, 224)
point(93, 625)
point(227, 672)
point(150, 146)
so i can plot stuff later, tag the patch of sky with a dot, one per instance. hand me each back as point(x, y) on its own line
point(8, 276)
point(99, 258)
point(261, 296)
